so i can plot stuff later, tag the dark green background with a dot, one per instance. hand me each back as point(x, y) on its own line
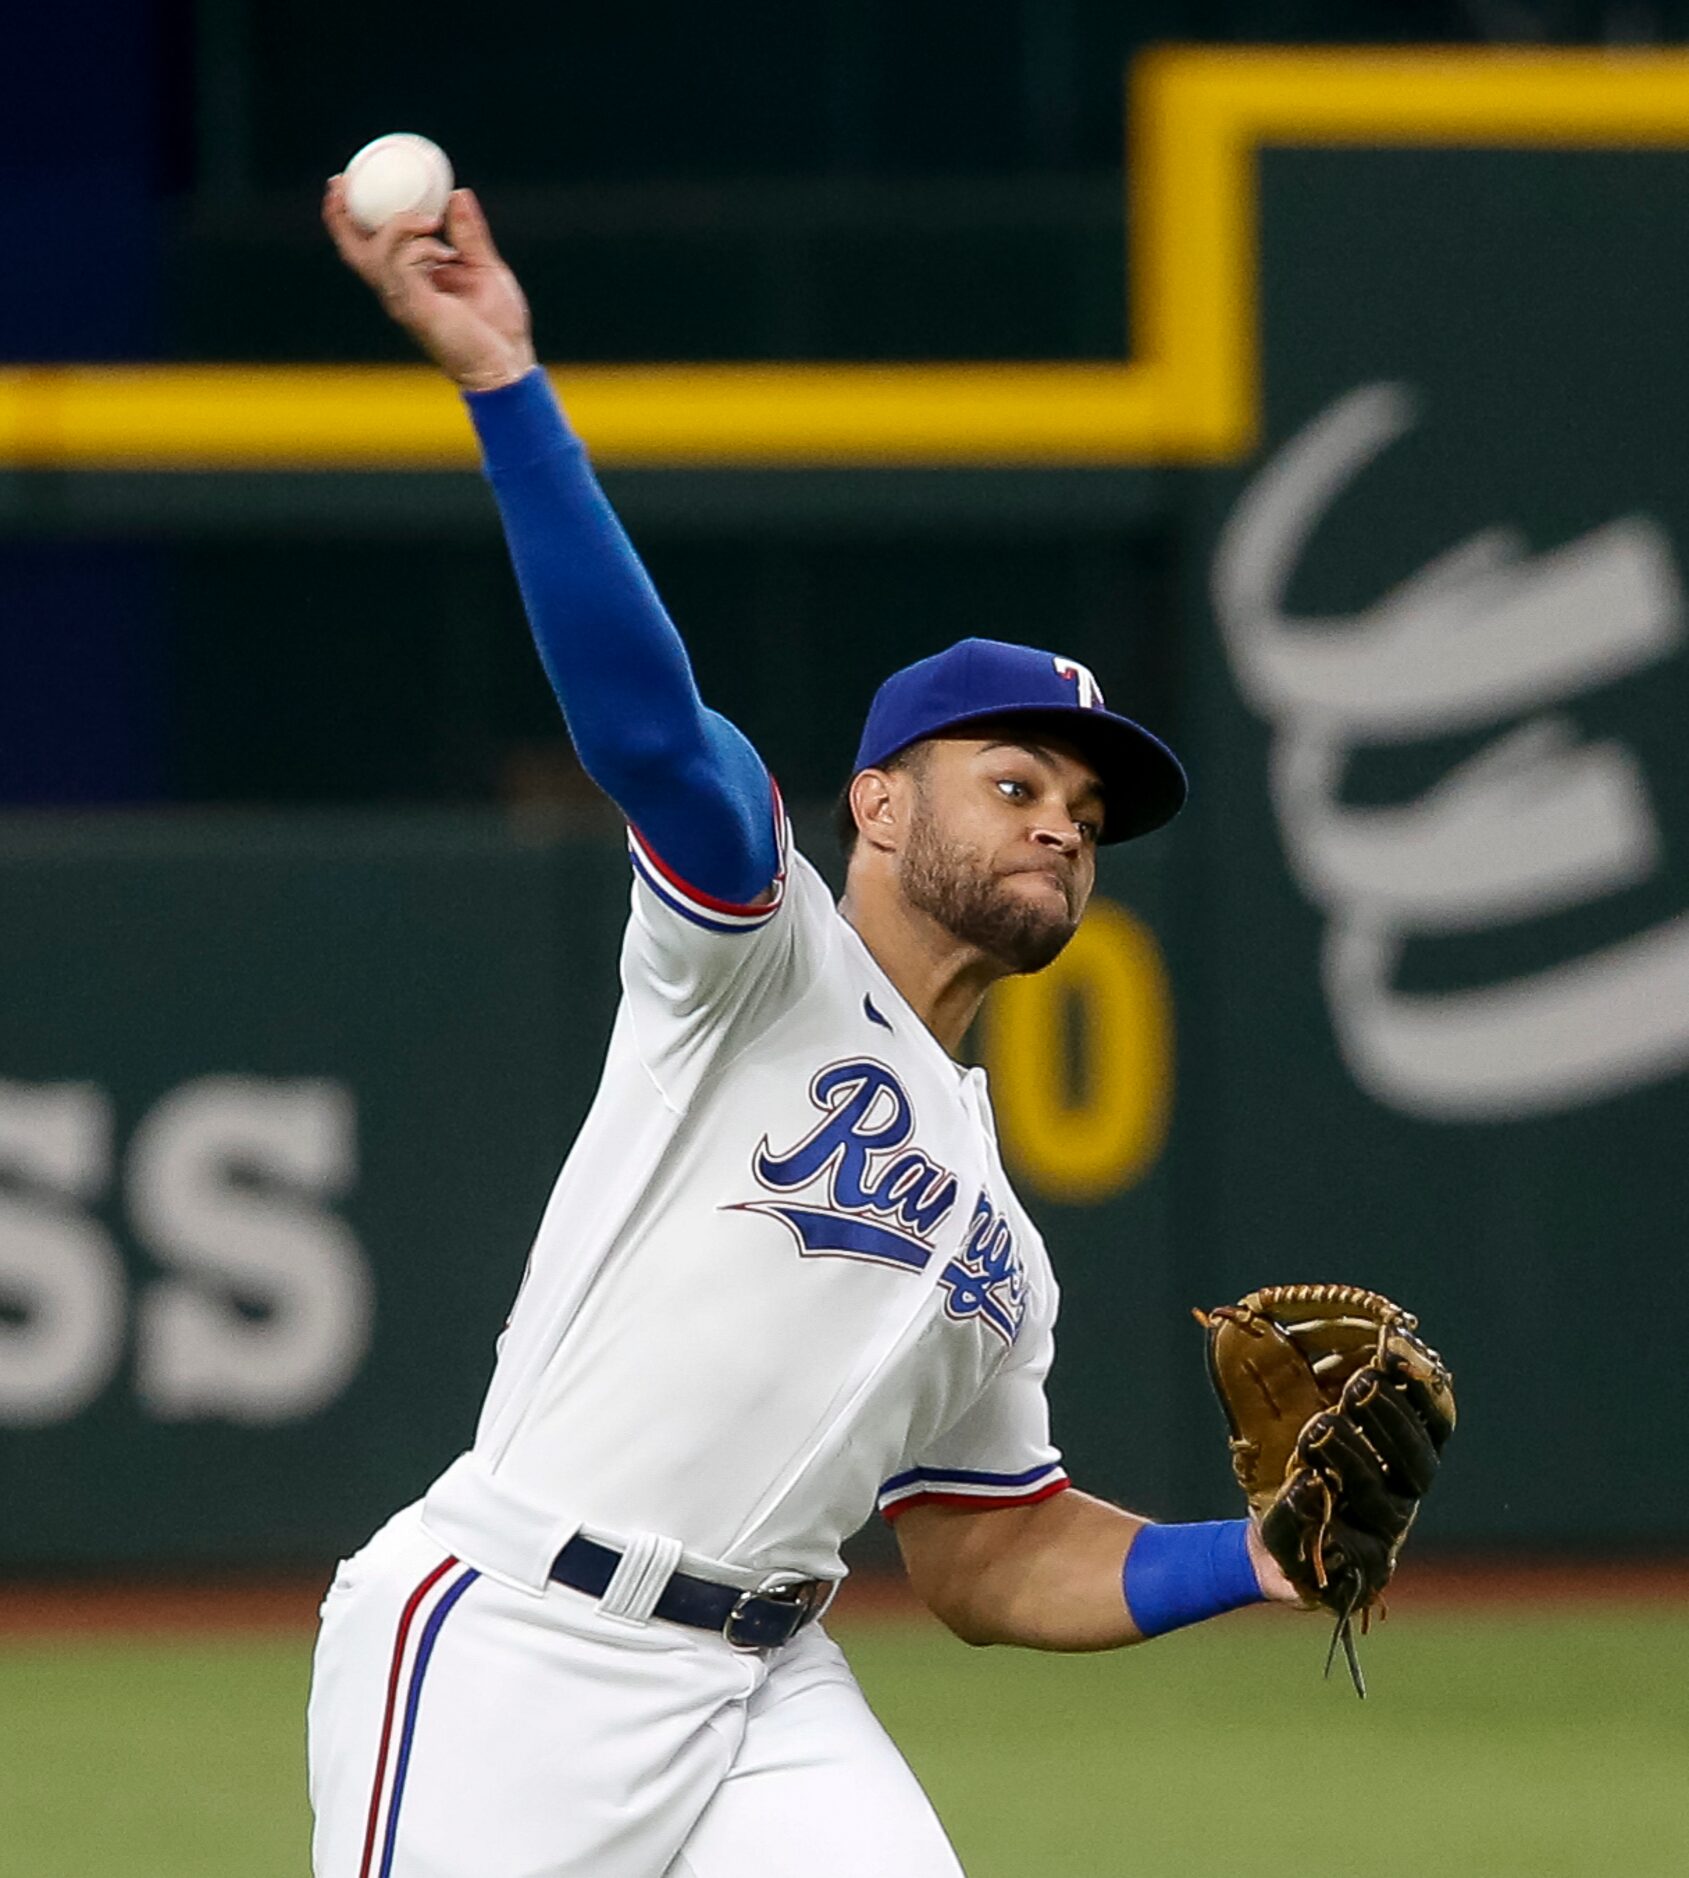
point(458, 975)
point(1530, 302)
point(457, 971)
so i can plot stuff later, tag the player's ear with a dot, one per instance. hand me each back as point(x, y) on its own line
point(873, 801)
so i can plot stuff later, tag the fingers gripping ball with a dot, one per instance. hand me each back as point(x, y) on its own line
point(399, 174)
point(1338, 1415)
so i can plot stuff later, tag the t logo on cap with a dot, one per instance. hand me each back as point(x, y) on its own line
point(1090, 692)
point(987, 682)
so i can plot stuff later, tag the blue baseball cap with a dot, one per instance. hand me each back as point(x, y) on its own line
point(1143, 781)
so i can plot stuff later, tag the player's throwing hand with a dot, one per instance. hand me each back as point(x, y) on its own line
point(454, 296)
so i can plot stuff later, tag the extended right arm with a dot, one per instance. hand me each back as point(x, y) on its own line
point(683, 775)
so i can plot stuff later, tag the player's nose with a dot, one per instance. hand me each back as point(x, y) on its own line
point(1062, 836)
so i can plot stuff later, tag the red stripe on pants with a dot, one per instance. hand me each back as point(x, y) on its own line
point(405, 1620)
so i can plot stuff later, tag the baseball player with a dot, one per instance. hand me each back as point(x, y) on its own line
point(782, 1278)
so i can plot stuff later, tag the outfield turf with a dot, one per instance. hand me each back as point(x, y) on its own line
point(1553, 1744)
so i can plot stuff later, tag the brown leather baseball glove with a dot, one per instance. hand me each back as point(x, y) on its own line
point(1338, 1413)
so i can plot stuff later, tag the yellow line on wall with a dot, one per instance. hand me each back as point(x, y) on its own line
point(1190, 393)
point(408, 417)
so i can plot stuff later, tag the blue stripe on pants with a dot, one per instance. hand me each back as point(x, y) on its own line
point(424, 1650)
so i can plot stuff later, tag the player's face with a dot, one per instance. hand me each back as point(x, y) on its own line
point(1002, 843)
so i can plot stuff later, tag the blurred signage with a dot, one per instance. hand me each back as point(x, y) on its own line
point(1435, 1017)
point(261, 1305)
point(1538, 819)
point(1080, 1057)
point(280, 1101)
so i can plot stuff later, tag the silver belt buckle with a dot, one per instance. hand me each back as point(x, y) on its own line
point(809, 1596)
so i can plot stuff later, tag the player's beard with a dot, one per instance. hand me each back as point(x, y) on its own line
point(952, 884)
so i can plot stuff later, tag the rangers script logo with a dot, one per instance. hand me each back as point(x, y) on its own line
point(864, 1191)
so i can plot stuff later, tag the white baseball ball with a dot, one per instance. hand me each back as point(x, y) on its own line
point(395, 175)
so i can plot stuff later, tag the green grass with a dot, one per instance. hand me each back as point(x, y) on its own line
point(123, 1759)
point(1553, 1745)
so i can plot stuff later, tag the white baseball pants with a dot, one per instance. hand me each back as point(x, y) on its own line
point(460, 1728)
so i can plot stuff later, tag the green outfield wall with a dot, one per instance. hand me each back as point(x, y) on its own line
point(281, 1102)
point(1436, 1018)
point(279, 1109)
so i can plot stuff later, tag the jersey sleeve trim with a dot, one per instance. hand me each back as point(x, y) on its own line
point(966, 1487)
point(705, 909)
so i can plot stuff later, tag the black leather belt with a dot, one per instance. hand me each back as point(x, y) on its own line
point(762, 1619)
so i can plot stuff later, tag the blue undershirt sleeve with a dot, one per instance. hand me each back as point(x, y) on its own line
point(687, 779)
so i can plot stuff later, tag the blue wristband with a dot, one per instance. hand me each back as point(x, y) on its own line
point(1177, 1575)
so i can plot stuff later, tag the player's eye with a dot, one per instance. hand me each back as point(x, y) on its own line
point(1013, 788)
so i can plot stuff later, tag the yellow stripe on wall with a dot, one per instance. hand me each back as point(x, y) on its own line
point(409, 417)
point(1189, 395)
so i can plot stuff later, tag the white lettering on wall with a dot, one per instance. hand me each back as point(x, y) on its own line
point(264, 1309)
point(1536, 822)
point(266, 1313)
point(63, 1299)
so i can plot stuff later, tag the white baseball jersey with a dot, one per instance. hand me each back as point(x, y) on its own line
point(782, 1274)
